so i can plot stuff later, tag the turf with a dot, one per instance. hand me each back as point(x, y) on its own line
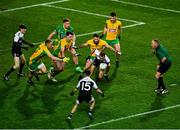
point(131, 89)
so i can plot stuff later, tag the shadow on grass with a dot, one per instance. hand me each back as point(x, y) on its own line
point(47, 96)
point(157, 104)
point(5, 91)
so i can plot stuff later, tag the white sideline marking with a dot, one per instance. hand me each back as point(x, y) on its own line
point(86, 12)
point(146, 6)
point(30, 6)
point(131, 116)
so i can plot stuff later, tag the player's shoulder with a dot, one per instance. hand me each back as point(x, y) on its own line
point(90, 41)
point(119, 22)
point(107, 21)
point(18, 34)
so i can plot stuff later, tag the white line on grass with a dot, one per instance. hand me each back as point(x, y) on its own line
point(30, 6)
point(89, 13)
point(146, 6)
point(131, 116)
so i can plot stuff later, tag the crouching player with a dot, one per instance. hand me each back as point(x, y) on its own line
point(85, 86)
point(103, 63)
point(35, 64)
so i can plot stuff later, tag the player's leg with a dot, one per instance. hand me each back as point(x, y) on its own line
point(117, 48)
point(22, 63)
point(75, 60)
point(12, 69)
point(91, 107)
point(100, 75)
point(73, 110)
point(58, 67)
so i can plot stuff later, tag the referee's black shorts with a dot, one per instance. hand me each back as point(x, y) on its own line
point(16, 51)
point(164, 67)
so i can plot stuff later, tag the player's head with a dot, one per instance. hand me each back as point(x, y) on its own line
point(49, 43)
point(155, 43)
point(69, 35)
point(102, 56)
point(87, 72)
point(66, 22)
point(22, 28)
point(113, 17)
point(96, 38)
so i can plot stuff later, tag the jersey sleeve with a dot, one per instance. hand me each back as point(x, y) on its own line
point(56, 29)
point(78, 85)
point(95, 85)
point(89, 42)
point(161, 55)
point(120, 24)
point(46, 51)
point(16, 37)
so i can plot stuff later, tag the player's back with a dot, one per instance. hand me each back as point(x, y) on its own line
point(85, 86)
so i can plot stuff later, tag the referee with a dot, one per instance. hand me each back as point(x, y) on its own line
point(165, 62)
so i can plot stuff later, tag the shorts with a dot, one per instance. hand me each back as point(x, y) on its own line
point(16, 51)
point(113, 42)
point(86, 98)
point(164, 67)
point(97, 62)
point(35, 66)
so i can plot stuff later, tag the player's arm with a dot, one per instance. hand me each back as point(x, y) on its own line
point(119, 32)
point(75, 90)
point(162, 57)
point(110, 48)
point(81, 46)
point(30, 44)
point(61, 53)
point(104, 31)
point(98, 90)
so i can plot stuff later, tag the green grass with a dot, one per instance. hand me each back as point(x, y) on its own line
point(131, 90)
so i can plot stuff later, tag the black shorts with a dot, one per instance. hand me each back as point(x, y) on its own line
point(86, 98)
point(164, 67)
point(97, 62)
point(16, 51)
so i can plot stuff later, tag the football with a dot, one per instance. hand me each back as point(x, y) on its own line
point(103, 66)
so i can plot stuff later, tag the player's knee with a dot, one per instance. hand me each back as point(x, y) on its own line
point(157, 75)
point(16, 66)
point(23, 62)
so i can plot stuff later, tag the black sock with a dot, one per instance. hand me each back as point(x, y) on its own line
point(90, 111)
point(70, 115)
point(10, 71)
point(97, 80)
point(21, 68)
point(161, 83)
point(77, 65)
point(54, 72)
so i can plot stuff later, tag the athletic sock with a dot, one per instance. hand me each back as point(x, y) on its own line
point(162, 83)
point(10, 71)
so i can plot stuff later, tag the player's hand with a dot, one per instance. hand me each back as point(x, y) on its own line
point(71, 93)
point(119, 53)
point(102, 94)
point(66, 59)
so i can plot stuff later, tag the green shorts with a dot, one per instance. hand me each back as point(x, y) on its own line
point(113, 42)
point(34, 66)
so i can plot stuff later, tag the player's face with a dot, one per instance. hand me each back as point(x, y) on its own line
point(23, 31)
point(96, 40)
point(67, 24)
point(50, 45)
point(153, 44)
point(70, 37)
point(113, 19)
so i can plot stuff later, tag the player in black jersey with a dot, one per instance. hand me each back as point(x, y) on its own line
point(18, 56)
point(85, 87)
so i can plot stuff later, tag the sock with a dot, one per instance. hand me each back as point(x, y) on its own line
point(90, 111)
point(97, 80)
point(21, 68)
point(54, 72)
point(70, 115)
point(10, 71)
point(162, 83)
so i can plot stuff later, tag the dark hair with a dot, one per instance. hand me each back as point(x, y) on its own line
point(156, 40)
point(69, 33)
point(66, 20)
point(102, 54)
point(48, 41)
point(113, 14)
point(22, 26)
point(87, 72)
point(95, 35)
